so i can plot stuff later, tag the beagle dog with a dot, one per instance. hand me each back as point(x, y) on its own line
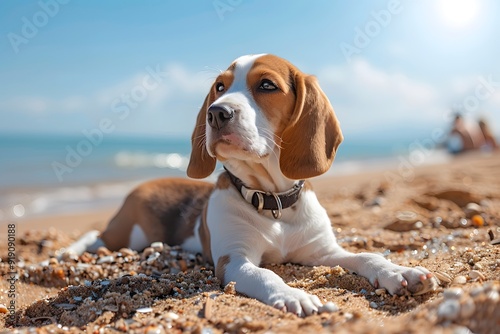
point(272, 127)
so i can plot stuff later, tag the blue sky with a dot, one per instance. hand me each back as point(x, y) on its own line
point(388, 67)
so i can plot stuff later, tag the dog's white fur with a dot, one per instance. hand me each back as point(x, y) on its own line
point(255, 145)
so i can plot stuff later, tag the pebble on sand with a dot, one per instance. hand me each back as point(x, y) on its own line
point(328, 307)
point(460, 280)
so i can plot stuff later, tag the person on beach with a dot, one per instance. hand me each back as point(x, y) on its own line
point(464, 136)
point(490, 143)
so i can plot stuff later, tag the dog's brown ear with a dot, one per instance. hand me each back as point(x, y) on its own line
point(201, 164)
point(312, 136)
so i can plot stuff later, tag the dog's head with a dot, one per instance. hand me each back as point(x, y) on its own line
point(261, 104)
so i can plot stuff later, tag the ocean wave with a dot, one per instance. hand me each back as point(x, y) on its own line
point(24, 204)
point(131, 159)
point(137, 166)
point(17, 205)
point(410, 159)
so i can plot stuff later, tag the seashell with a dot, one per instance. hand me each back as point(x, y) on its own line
point(86, 258)
point(477, 266)
point(3, 309)
point(106, 259)
point(495, 242)
point(152, 258)
point(459, 280)
point(247, 318)
point(453, 293)
point(147, 252)
point(144, 310)
point(172, 316)
point(380, 292)
point(443, 277)
point(472, 209)
point(127, 252)
point(69, 256)
point(103, 251)
point(477, 275)
point(83, 266)
point(449, 309)
point(157, 246)
point(328, 307)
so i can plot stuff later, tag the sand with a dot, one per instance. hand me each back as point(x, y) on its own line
point(412, 215)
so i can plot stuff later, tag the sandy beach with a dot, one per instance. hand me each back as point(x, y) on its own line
point(443, 217)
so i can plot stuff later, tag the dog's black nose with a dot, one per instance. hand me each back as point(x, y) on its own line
point(219, 115)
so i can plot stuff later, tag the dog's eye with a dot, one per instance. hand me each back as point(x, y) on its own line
point(267, 85)
point(219, 87)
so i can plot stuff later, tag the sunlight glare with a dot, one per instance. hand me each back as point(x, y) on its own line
point(458, 13)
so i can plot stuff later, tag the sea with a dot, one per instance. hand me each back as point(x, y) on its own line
point(48, 174)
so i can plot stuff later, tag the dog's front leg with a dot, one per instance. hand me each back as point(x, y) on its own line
point(383, 273)
point(265, 285)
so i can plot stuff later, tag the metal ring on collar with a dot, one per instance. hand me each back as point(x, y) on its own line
point(261, 201)
point(277, 213)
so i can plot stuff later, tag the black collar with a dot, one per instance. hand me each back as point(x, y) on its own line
point(262, 200)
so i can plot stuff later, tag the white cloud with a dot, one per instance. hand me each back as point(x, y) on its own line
point(365, 98)
point(27, 104)
point(368, 99)
point(172, 92)
point(175, 82)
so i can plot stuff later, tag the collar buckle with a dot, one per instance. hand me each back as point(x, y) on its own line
point(248, 196)
point(274, 202)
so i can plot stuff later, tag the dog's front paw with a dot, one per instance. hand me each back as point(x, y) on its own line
point(296, 301)
point(398, 279)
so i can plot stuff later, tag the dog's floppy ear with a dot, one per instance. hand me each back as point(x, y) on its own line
point(201, 164)
point(312, 136)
